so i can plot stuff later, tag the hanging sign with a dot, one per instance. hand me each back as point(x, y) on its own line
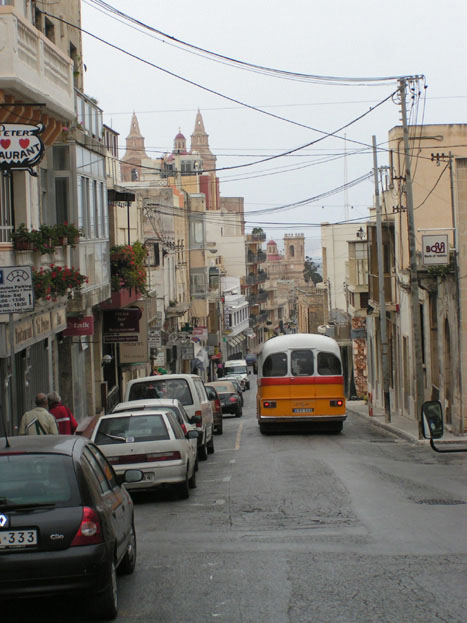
point(20, 146)
point(435, 249)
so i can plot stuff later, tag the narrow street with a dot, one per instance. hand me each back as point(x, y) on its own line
point(360, 527)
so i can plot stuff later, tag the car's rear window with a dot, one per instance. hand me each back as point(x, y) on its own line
point(38, 479)
point(161, 388)
point(222, 389)
point(131, 429)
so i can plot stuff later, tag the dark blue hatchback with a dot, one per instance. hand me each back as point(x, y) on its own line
point(66, 524)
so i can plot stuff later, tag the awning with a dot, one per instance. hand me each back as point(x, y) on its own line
point(235, 341)
point(249, 333)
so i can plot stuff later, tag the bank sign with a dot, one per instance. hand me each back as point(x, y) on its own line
point(20, 146)
point(435, 249)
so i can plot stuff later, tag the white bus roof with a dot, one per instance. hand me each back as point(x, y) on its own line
point(282, 343)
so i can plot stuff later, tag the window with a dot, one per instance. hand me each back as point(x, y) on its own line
point(104, 484)
point(131, 429)
point(328, 364)
point(105, 466)
point(196, 231)
point(6, 206)
point(275, 365)
point(61, 199)
point(301, 363)
point(198, 282)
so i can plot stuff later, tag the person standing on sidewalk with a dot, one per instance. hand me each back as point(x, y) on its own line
point(38, 421)
point(66, 422)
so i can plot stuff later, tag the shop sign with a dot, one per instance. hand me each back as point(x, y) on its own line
point(59, 319)
point(435, 249)
point(200, 332)
point(122, 325)
point(16, 289)
point(187, 351)
point(80, 326)
point(20, 146)
point(42, 325)
point(24, 332)
point(154, 339)
point(137, 351)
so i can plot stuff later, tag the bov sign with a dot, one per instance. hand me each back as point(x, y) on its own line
point(20, 146)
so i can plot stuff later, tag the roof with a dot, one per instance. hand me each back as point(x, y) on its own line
point(300, 340)
point(63, 444)
point(180, 135)
point(147, 403)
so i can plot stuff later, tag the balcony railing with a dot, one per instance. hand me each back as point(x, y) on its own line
point(251, 280)
point(262, 276)
point(389, 288)
point(261, 257)
point(33, 66)
point(251, 258)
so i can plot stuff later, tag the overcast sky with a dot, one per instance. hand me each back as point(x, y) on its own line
point(362, 38)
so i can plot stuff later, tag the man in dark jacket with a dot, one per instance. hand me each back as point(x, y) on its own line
point(63, 416)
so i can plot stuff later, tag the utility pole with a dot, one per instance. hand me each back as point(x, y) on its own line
point(381, 291)
point(416, 320)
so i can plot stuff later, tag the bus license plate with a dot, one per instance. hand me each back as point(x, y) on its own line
point(310, 410)
point(148, 476)
point(18, 538)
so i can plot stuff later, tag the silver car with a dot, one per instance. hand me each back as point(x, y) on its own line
point(151, 441)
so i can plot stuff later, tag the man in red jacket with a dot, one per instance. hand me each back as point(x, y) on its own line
point(63, 416)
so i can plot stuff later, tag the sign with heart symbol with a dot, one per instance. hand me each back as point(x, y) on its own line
point(20, 146)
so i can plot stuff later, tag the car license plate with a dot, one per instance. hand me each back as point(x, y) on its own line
point(18, 538)
point(310, 410)
point(148, 475)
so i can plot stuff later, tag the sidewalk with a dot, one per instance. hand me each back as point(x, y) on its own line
point(399, 425)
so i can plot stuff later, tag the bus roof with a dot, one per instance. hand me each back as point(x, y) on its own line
point(282, 343)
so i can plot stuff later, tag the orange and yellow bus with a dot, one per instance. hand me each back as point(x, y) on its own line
point(300, 382)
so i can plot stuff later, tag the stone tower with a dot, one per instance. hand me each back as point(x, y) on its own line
point(200, 145)
point(179, 144)
point(294, 248)
point(135, 152)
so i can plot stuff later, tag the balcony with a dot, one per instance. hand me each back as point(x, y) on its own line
point(251, 257)
point(262, 297)
point(261, 257)
point(251, 279)
point(33, 67)
point(262, 276)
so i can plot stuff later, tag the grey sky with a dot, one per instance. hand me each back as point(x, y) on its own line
point(362, 38)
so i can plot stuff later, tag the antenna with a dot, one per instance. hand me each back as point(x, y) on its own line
point(346, 191)
point(7, 443)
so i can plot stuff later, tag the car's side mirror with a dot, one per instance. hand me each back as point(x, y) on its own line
point(432, 419)
point(432, 424)
point(192, 434)
point(196, 419)
point(133, 475)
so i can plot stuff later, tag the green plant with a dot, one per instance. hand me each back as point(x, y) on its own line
point(43, 240)
point(21, 237)
point(56, 281)
point(128, 269)
point(68, 231)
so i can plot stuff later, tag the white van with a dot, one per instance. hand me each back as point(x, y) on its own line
point(238, 367)
point(190, 390)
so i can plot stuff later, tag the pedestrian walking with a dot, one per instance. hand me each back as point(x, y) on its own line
point(66, 422)
point(38, 421)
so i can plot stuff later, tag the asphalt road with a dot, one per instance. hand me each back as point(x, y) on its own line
point(361, 527)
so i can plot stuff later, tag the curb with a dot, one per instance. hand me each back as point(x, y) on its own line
point(389, 427)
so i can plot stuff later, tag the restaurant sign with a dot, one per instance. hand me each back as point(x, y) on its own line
point(122, 325)
point(20, 146)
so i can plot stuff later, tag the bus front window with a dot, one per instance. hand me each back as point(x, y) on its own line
point(275, 365)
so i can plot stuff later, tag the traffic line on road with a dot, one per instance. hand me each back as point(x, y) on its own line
point(239, 434)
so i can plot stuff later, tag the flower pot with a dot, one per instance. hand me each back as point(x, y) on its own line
point(23, 245)
point(62, 241)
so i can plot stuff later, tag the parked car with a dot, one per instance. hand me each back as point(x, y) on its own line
point(171, 404)
point(66, 524)
point(235, 382)
point(230, 400)
point(154, 442)
point(216, 408)
point(190, 390)
point(238, 366)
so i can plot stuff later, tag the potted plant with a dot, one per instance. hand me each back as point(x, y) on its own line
point(43, 240)
point(128, 267)
point(57, 281)
point(22, 238)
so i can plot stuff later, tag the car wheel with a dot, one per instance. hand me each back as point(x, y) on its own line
point(127, 566)
point(210, 445)
point(184, 488)
point(192, 481)
point(203, 451)
point(239, 413)
point(106, 602)
point(336, 427)
point(196, 464)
